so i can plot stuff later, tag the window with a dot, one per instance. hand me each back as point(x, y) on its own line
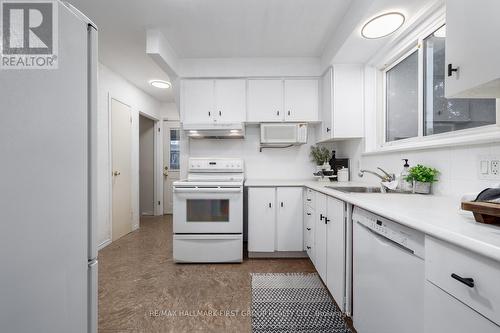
point(402, 99)
point(174, 148)
point(408, 116)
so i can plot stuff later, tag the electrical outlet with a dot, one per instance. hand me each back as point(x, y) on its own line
point(489, 167)
point(494, 167)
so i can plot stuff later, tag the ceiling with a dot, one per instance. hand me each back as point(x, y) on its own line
point(228, 29)
point(208, 29)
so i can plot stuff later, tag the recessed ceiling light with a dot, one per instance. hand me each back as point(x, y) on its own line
point(382, 25)
point(160, 84)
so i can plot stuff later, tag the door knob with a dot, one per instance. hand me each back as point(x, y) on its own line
point(116, 173)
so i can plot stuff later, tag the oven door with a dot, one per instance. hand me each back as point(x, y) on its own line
point(208, 210)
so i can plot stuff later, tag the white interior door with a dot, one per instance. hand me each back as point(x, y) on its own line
point(121, 139)
point(171, 162)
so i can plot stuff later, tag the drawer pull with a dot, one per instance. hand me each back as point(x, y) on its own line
point(308, 229)
point(308, 247)
point(308, 199)
point(308, 214)
point(469, 282)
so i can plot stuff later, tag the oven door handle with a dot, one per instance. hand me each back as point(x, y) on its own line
point(207, 190)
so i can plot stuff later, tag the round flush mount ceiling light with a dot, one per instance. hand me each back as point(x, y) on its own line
point(382, 25)
point(160, 84)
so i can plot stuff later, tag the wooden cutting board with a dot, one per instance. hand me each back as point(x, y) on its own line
point(484, 212)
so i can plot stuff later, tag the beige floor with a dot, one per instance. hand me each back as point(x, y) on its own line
point(142, 290)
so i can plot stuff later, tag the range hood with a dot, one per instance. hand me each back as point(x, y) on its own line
point(215, 131)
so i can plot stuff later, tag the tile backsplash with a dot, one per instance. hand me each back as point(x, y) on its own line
point(458, 166)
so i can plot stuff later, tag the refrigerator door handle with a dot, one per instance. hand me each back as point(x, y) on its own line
point(92, 296)
point(92, 140)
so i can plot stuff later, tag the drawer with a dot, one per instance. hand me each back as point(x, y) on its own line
point(308, 217)
point(309, 240)
point(309, 197)
point(444, 313)
point(442, 260)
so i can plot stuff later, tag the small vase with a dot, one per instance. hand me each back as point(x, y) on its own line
point(422, 188)
point(326, 166)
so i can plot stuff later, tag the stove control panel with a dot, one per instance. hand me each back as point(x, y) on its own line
point(215, 165)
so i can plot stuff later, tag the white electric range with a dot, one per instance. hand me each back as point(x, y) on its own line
point(208, 212)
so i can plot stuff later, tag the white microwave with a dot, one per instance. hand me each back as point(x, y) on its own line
point(283, 133)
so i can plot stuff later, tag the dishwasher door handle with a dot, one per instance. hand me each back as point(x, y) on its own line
point(386, 240)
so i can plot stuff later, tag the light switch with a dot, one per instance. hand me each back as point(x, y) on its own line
point(484, 167)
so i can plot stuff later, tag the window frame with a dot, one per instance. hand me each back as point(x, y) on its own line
point(415, 42)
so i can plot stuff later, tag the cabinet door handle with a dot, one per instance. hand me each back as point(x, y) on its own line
point(209, 114)
point(282, 204)
point(327, 220)
point(308, 229)
point(288, 112)
point(328, 130)
point(308, 247)
point(451, 69)
point(469, 282)
point(220, 113)
point(270, 205)
point(308, 214)
point(321, 217)
point(278, 113)
point(308, 199)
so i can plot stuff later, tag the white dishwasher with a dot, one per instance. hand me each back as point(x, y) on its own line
point(388, 276)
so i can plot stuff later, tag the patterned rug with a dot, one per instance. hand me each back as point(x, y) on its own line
point(293, 302)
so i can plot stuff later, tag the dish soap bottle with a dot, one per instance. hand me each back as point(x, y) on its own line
point(404, 185)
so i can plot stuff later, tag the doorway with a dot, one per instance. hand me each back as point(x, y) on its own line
point(171, 162)
point(121, 141)
point(146, 166)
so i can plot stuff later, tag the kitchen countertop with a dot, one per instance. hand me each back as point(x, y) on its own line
point(434, 215)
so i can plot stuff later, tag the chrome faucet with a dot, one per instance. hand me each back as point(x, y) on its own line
point(385, 178)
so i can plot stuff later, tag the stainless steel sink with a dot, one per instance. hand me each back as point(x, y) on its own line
point(356, 189)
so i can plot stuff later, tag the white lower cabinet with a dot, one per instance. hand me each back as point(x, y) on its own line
point(444, 313)
point(462, 293)
point(261, 219)
point(335, 250)
point(275, 219)
point(288, 220)
point(329, 248)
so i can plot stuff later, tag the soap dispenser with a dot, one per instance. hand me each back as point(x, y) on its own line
point(403, 184)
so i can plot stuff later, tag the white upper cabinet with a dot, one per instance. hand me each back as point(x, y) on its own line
point(208, 101)
point(282, 100)
point(197, 101)
point(265, 100)
point(230, 101)
point(473, 48)
point(301, 100)
point(342, 103)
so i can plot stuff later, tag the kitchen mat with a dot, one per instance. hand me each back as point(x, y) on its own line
point(293, 302)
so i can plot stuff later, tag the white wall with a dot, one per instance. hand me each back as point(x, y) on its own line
point(458, 165)
point(169, 111)
point(146, 166)
point(288, 163)
point(114, 86)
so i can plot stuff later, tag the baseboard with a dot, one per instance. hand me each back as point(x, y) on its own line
point(278, 254)
point(104, 244)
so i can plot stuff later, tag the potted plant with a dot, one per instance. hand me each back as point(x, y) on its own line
point(321, 156)
point(422, 178)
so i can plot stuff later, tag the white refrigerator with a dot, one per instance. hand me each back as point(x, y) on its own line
point(48, 272)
